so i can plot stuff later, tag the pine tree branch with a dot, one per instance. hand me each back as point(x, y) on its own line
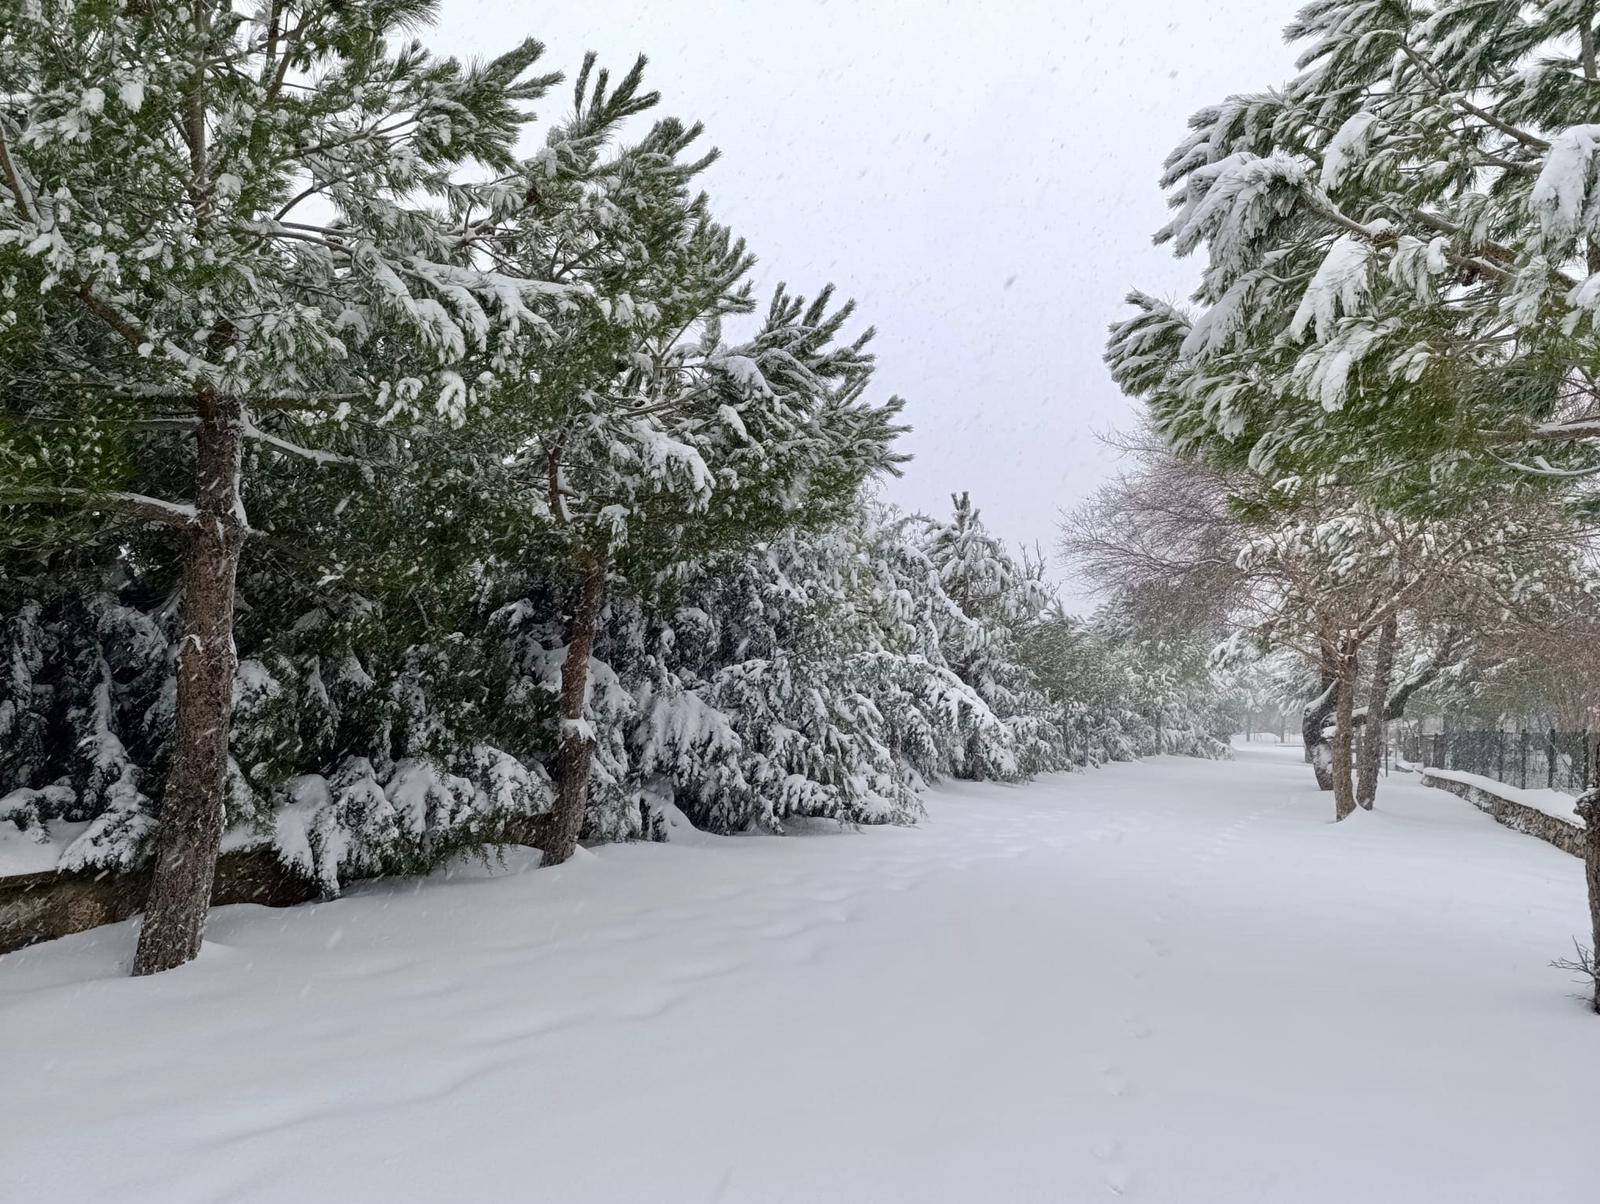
point(138, 338)
point(1543, 468)
point(1466, 106)
point(137, 505)
point(315, 455)
point(1325, 205)
point(106, 310)
point(1581, 428)
point(140, 426)
point(14, 182)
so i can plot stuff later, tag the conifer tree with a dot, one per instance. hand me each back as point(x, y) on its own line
point(647, 438)
point(995, 601)
point(1402, 251)
point(1399, 245)
point(206, 213)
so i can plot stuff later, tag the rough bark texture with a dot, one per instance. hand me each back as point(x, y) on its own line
point(576, 747)
point(191, 807)
point(1313, 722)
point(1372, 735)
point(1342, 744)
point(1589, 809)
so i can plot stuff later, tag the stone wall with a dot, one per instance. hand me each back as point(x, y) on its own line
point(40, 907)
point(1566, 835)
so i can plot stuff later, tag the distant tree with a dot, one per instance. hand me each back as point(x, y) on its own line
point(997, 600)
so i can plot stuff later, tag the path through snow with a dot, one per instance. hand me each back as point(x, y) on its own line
point(1171, 981)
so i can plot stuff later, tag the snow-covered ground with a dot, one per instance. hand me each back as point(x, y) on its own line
point(1169, 981)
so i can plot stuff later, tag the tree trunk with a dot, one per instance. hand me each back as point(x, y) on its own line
point(1372, 736)
point(1312, 722)
point(575, 750)
point(1589, 809)
point(1342, 745)
point(191, 807)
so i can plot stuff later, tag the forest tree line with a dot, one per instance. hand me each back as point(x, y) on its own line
point(388, 472)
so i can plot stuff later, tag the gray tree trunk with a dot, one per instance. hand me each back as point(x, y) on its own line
point(191, 806)
point(1312, 722)
point(1373, 732)
point(1588, 809)
point(1342, 745)
point(575, 750)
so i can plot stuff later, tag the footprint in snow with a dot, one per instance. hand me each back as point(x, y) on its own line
point(1114, 1082)
point(836, 895)
point(646, 1006)
point(697, 969)
point(903, 883)
point(1119, 1180)
point(784, 929)
point(798, 953)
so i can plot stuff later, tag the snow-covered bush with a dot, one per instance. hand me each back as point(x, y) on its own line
point(819, 674)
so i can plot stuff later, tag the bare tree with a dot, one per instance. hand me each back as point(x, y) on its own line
point(1161, 536)
point(1311, 569)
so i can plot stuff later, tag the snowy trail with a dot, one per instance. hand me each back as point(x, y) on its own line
point(1171, 981)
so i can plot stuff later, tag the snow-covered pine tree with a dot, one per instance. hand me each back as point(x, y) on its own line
point(994, 602)
point(1401, 249)
point(1128, 687)
point(216, 232)
point(762, 697)
point(646, 437)
point(1403, 257)
point(805, 677)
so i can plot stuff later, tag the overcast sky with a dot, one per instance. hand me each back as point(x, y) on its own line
point(979, 174)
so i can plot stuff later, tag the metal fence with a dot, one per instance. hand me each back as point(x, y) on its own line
point(1550, 759)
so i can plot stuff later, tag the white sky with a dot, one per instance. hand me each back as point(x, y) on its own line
point(979, 174)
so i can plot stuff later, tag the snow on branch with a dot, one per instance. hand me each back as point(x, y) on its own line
point(1230, 204)
point(1323, 373)
point(138, 505)
point(315, 455)
point(1341, 283)
point(1582, 428)
point(1564, 197)
point(1346, 149)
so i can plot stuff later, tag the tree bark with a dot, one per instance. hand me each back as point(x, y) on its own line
point(1341, 746)
point(191, 807)
point(575, 749)
point(1588, 808)
point(1372, 735)
point(1313, 721)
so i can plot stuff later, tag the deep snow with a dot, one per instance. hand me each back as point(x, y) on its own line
point(1170, 981)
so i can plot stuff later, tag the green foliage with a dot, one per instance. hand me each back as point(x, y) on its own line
point(459, 376)
point(1399, 252)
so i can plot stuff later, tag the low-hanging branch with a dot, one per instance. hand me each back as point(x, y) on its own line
point(137, 505)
